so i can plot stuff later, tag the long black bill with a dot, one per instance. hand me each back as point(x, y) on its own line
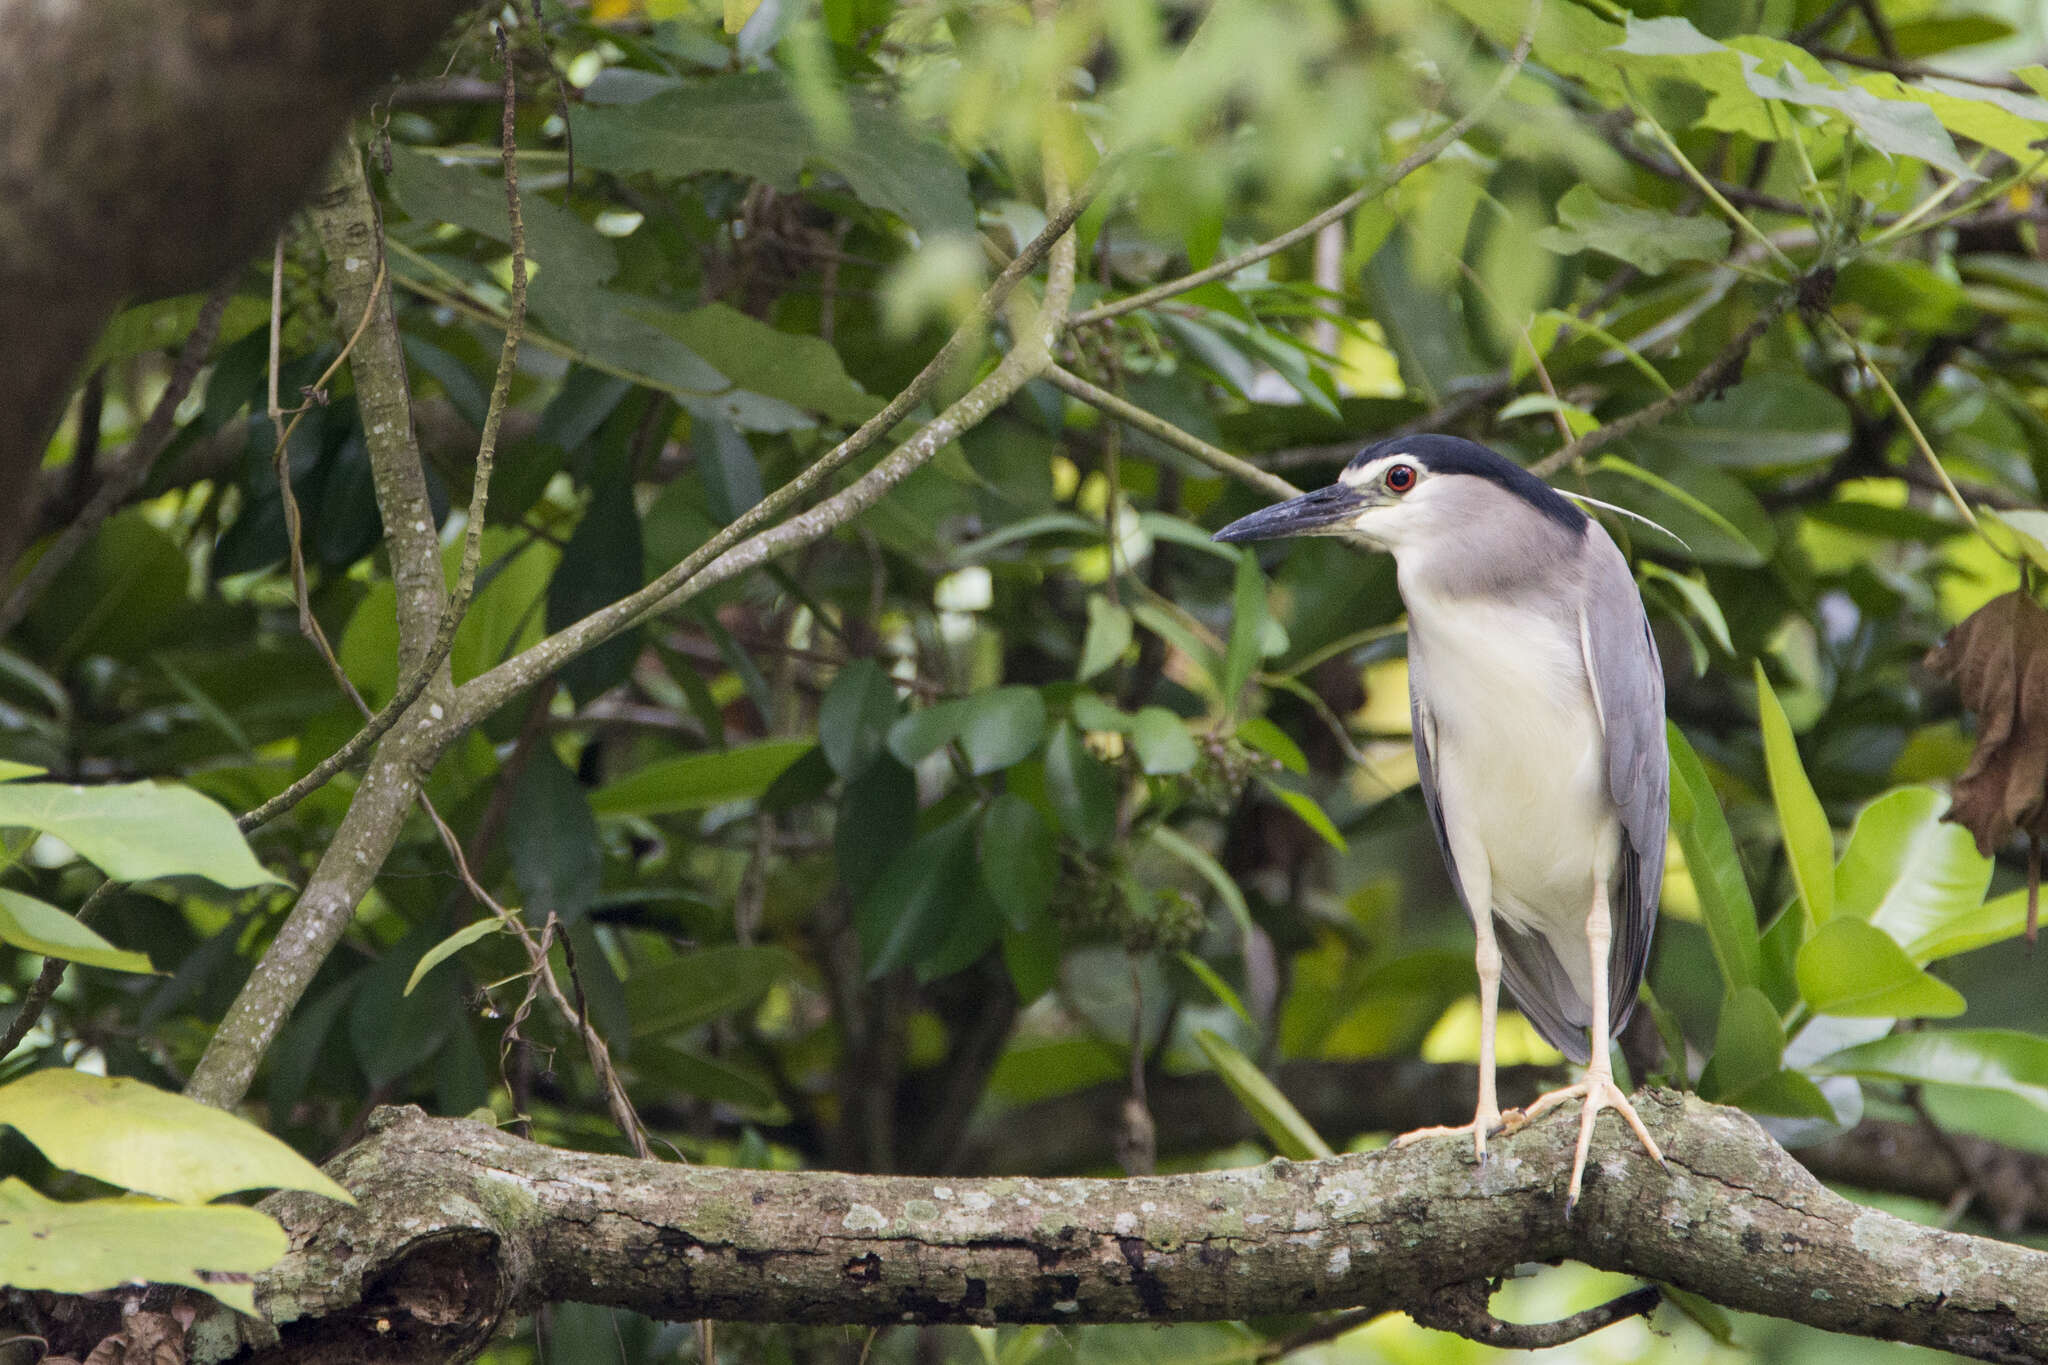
point(1323, 512)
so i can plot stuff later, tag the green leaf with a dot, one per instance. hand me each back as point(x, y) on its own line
point(877, 817)
point(679, 1070)
point(552, 837)
point(2004, 1061)
point(699, 987)
point(451, 945)
point(1895, 127)
point(1211, 871)
point(1001, 727)
point(564, 247)
point(601, 564)
point(99, 1244)
point(1290, 1133)
point(926, 732)
point(138, 830)
point(800, 370)
point(1310, 813)
point(1697, 596)
point(1218, 987)
point(1163, 743)
point(1274, 742)
point(698, 781)
point(1908, 871)
point(1992, 922)
point(1109, 635)
point(1020, 861)
point(855, 716)
point(1033, 959)
point(1716, 870)
point(1652, 240)
point(1851, 968)
point(1081, 788)
point(1774, 422)
point(1247, 627)
point(909, 912)
point(138, 1137)
point(37, 927)
point(750, 124)
point(1809, 841)
point(1749, 1045)
point(1717, 520)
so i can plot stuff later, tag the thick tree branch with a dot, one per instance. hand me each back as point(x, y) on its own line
point(460, 1225)
point(147, 147)
point(1197, 1113)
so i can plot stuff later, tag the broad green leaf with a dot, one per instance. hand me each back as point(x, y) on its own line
point(2029, 526)
point(698, 781)
point(1000, 728)
point(1247, 628)
point(2005, 1061)
point(854, 717)
point(1168, 627)
point(1749, 1045)
point(451, 945)
point(1673, 49)
point(100, 1244)
point(1652, 240)
point(1809, 842)
point(1909, 872)
point(1770, 422)
point(138, 1137)
point(1033, 958)
point(1994, 921)
point(911, 909)
point(1291, 1134)
point(1020, 861)
point(138, 830)
point(1895, 127)
point(1218, 987)
point(1716, 870)
point(1211, 871)
point(877, 817)
point(601, 564)
point(1109, 635)
point(1081, 788)
point(38, 927)
point(926, 732)
point(561, 245)
point(1311, 814)
point(1274, 742)
point(698, 987)
point(552, 838)
point(751, 125)
point(801, 370)
point(1163, 743)
point(1851, 968)
point(679, 1070)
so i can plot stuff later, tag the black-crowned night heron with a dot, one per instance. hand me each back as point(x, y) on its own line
point(1538, 705)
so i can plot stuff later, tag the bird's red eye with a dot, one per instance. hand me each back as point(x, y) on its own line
point(1399, 478)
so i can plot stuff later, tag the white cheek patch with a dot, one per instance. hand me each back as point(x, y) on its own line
point(1361, 475)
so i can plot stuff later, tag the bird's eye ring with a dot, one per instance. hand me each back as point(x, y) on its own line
point(1399, 478)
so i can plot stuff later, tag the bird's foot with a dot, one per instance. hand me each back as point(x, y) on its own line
point(1597, 1091)
point(1484, 1124)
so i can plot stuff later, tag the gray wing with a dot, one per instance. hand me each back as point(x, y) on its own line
point(1628, 684)
point(1535, 979)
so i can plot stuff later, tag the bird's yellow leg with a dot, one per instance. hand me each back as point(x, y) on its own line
point(1487, 1119)
point(1596, 1089)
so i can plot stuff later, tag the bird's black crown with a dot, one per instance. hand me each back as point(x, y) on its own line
point(1456, 455)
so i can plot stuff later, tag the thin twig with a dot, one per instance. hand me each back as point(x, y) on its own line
point(1715, 374)
point(1462, 1308)
point(409, 688)
point(1916, 71)
point(37, 996)
point(121, 482)
point(1373, 189)
point(1222, 461)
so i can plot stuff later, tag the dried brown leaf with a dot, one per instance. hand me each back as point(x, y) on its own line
point(1998, 659)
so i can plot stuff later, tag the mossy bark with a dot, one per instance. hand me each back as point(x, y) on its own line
point(460, 1225)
